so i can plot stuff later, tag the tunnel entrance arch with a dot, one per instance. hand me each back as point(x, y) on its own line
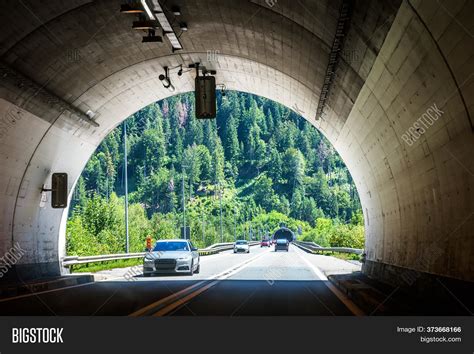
point(284, 232)
point(396, 66)
point(184, 158)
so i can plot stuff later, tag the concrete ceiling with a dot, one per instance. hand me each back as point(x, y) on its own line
point(401, 59)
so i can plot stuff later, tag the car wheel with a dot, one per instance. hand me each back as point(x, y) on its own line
point(198, 269)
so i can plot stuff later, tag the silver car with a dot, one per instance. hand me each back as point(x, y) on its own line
point(241, 246)
point(172, 256)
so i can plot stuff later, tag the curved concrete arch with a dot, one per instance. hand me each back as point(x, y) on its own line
point(414, 177)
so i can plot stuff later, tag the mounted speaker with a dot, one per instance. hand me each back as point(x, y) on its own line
point(205, 97)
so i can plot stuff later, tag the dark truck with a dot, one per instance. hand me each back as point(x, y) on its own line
point(282, 244)
point(282, 238)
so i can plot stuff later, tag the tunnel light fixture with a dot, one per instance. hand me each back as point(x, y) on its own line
point(202, 69)
point(152, 38)
point(223, 88)
point(165, 80)
point(156, 18)
point(176, 10)
point(211, 72)
point(133, 8)
point(90, 114)
point(147, 10)
point(165, 24)
point(175, 43)
point(144, 25)
point(180, 71)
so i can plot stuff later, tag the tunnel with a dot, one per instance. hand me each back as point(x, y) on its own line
point(284, 232)
point(389, 84)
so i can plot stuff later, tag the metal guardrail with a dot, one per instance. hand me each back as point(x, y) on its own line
point(71, 261)
point(315, 248)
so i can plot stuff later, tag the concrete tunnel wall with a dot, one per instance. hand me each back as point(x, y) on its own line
point(401, 60)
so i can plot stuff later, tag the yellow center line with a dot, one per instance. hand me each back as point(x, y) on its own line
point(221, 276)
point(145, 309)
point(184, 300)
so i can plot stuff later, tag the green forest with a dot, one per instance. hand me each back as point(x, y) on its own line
point(256, 166)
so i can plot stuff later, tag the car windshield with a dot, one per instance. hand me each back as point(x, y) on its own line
point(241, 242)
point(171, 246)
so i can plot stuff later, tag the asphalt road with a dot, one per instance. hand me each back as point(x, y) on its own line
point(262, 282)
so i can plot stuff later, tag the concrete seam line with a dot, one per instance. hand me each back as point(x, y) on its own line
point(340, 295)
point(446, 62)
point(45, 292)
point(176, 295)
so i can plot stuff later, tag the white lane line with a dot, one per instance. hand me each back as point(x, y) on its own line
point(340, 295)
point(316, 270)
point(220, 276)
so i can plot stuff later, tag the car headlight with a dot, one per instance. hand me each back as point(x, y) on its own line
point(187, 258)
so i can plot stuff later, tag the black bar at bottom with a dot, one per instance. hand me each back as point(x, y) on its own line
point(266, 334)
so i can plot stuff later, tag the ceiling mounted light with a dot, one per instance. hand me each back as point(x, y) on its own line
point(147, 10)
point(133, 8)
point(145, 25)
point(176, 10)
point(90, 114)
point(223, 91)
point(165, 80)
point(165, 24)
point(206, 72)
point(152, 38)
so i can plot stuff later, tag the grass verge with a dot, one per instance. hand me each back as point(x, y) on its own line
point(106, 265)
point(344, 256)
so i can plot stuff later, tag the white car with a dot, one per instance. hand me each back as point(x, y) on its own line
point(172, 256)
point(241, 246)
